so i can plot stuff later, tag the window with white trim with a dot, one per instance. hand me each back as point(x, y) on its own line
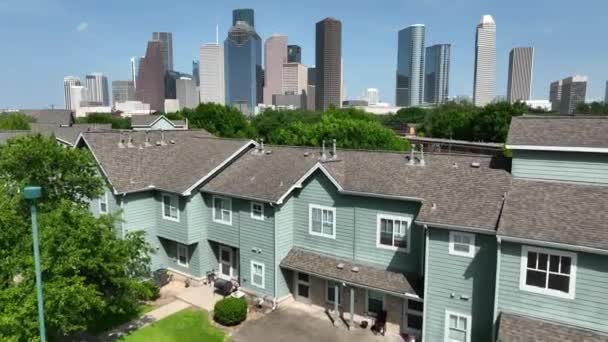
point(257, 274)
point(457, 327)
point(257, 211)
point(462, 244)
point(322, 221)
point(222, 210)
point(103, 203)
point(171, 207)
point(182, 255)
point(393, 232)
point(548, 271)
point(375, 302)
point(330, 292)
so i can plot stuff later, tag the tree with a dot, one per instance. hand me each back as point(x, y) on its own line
point(219, 120)
point(106, 118)
point(449, 121)
point(404, 116)
point(270, 120)
point(14, 121)
point(493, 121)
point(88, 272)
point(593, 108)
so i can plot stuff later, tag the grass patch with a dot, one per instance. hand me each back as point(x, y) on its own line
point(184, 326)
point(112, 321)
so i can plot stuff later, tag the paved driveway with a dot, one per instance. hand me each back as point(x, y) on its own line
point(293, 325)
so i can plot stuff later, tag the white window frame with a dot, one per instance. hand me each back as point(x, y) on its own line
point(219, 220)
point(256, 217)
point(167, 216)
point(184, 249)
point(104, 200)
point(371, 314)
point(408, 233)
point(231, 267)
point(453, 251)
point(446, 332)
point(262, 285)
point(546, 291)
point(327, 281)
point(321, 207)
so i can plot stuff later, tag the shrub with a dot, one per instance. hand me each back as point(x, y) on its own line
point(149, 291)
point(230, 311)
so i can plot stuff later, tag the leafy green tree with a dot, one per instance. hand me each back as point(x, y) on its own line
point(269, 121)
point(593, 108)
point(219, 120)
point(450, 121)
point(404, 116)
point(493, 121)
point(106, 118)
point(88, 272)
point(14, 121)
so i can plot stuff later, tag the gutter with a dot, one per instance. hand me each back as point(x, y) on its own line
point(457, 227)
point(556, 245)
point(426, 278)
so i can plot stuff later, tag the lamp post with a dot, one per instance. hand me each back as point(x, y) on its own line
point(32, 193)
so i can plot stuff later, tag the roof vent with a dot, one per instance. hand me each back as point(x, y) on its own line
point(162, 139)
point(121, 143)
point(172, 142)
point(335, 154)
point(433, 206)
point(268, 152)
point(130, 143)
point(340, 266)
point(355, 269)
point(158, 143)
point(323, 155)
point(475, 165)
point(454, 165)
point(306, 154)
point(147, 143)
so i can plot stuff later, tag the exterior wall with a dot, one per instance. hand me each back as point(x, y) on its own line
point(172, 230)
point(140, 210)
point(170, 250)
point(460, 284)
point(356, 226)
point(566, 166)
point(588, 309)
point(284, 240)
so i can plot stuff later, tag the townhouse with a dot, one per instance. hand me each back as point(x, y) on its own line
point(452, 247)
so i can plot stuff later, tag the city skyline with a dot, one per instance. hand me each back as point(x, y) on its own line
point(369, 49)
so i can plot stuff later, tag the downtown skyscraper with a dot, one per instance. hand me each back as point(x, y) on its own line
point(122, 91)
point(275, 55)
point(410, 66)
point(294, 54)
point(98, 92)
point(484, 87)
point(574, 91)
point(211, 74)
point(437, 73)
point(243, 14)
point(243, 67)
point(68, 83)
point(328, 64)
point(150, 81)
point(166, 47)
point(555, 95)
point(519, 86)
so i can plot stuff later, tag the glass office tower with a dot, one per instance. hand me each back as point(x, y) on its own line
point(243, 67)
point(243, 14)
point(410, 66)
point(437, 73)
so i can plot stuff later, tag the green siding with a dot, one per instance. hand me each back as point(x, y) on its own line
point(566, 166)
point(284, 240)
point(140, 212)
point(169, 229)
point(589, 308)
point(450, 276)
point(220, 232)
point(197, 228)
point(170, 250)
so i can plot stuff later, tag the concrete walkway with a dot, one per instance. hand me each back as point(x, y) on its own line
point(202, 297)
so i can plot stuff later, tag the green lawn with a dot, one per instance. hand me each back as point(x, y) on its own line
point(112, 321)
point(185, 326)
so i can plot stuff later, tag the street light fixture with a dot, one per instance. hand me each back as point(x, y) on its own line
point(32, 194)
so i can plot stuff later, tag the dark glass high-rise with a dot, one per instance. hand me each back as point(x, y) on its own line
point(243, 14)
point(294, 54)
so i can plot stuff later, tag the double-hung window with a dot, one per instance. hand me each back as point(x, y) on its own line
point(257, 211)
point(457, 327)
point(103, 203)
point(170, 207)
point(548, 271)
point(375, 302)
point(393, 232)
point(257, 274)
point(182, 255)
point(222, 210)
point(322, 221)
point(462, 244)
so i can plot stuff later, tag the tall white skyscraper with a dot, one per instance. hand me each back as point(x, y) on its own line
point(97, 88)
point(294, 79)
point(275, 55)
point(372, 96)
point(519, 87)
point(186, 93)
point(135, 69)
point(68, 82)
point(78, 94)
point(484, 88)
point(410, 66)
point(211, 73)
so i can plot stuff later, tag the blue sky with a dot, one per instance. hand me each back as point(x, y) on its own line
point(43, 40)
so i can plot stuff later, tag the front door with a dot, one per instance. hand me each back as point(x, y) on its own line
point(412, 317)
point(302, 287)
point(226, 258)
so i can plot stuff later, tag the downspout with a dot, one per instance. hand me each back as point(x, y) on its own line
point(276, 265)
point(426, 278)
point(496, 284)
point(122, 208)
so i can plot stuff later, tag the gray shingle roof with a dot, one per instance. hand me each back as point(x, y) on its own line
point(515, 328)
point(325, 266)
point(174, 167)
point(559, 131)
point(565, 213)
point(50, 116)
point(463, 195)
point(66, 135)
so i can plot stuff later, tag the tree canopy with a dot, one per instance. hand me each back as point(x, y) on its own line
point(14, 121)
point(88, 272)
point(593, 108)
point(219, 120)
point(106, 118)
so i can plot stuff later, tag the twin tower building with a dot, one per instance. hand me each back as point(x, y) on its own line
point(232, 73)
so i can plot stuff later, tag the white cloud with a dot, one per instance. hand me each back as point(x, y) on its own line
point(83, 26)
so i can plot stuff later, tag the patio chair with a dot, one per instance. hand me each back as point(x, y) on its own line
point(379, 323)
